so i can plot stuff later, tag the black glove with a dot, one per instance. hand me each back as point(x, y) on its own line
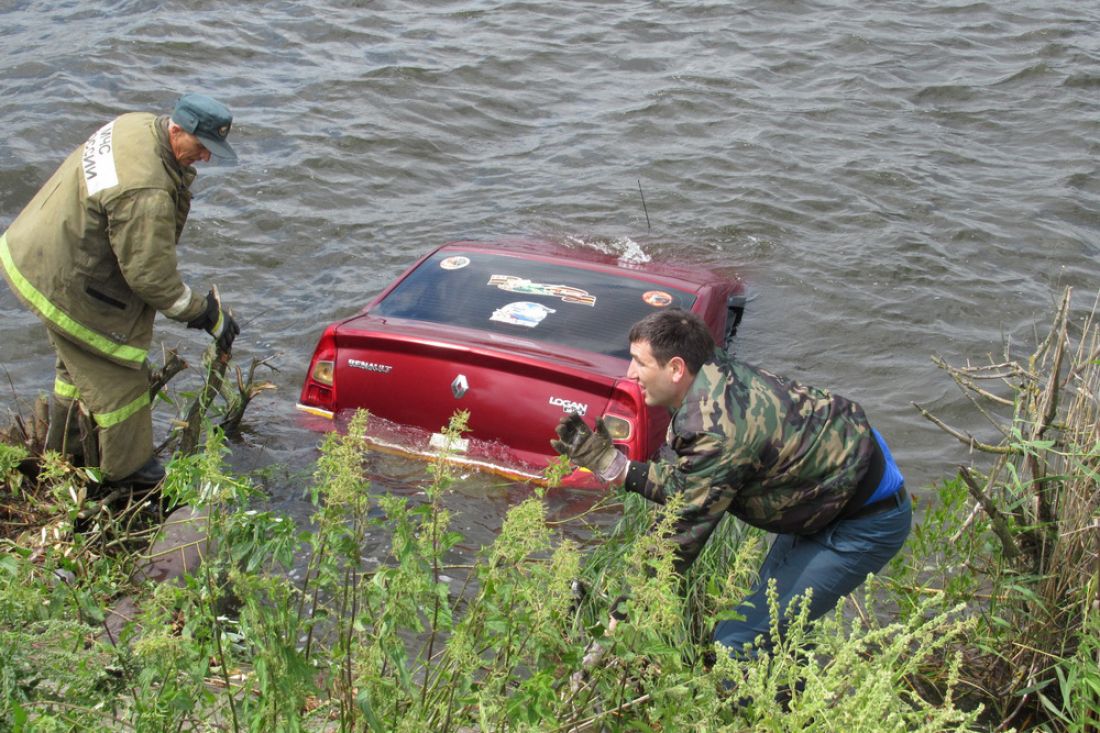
point(588, 449)
point(216, 322)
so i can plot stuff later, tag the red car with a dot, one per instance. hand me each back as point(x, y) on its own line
point(517, 334)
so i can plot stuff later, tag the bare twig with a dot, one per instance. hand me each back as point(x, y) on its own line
point(592, 721)
point(212, 385)
point(1000, 527)
point(173, 365)
point(964, 438)
point(247, 390)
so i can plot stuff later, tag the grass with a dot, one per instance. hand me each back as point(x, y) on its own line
point(991, 626)
point(238, 646)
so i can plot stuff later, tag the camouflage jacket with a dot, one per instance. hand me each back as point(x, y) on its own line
point(778, 455)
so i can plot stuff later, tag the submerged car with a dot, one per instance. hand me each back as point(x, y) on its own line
point(517, 335)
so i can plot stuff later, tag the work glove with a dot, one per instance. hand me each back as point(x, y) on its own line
point(588, 449)
point(217, 322)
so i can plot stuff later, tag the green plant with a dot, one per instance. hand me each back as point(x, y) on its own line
point(396, 624)
point(1027, 534)
point(10, 458)
point(851, 675)
point(1073, 697)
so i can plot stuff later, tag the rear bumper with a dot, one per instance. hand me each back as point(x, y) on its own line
point(412, 442)
point(315, 411)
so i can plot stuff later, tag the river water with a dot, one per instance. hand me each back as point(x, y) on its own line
point(893, 181)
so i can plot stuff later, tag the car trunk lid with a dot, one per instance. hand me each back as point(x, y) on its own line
point(513, 399)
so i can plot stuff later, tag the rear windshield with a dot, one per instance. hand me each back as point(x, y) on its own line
point(541, 301)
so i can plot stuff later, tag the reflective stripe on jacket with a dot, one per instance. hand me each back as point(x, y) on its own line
point(94, 252)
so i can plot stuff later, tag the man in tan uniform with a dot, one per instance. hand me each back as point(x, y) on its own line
point(94, 256)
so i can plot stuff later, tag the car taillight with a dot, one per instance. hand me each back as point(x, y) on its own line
point(625, 418)
point(322, 372)
point(319, 390)
point(619, 427)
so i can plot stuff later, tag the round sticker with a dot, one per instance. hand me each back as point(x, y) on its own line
point(456, 262)
point(522, 313)
point(657, 298)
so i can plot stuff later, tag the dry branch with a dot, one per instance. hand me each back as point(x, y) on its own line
point(173, 365)
point(965, 438)
point(247, 390)
point(1000, 526)
point(1040, 496)
point(212, 385)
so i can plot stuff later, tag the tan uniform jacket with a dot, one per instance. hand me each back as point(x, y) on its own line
point(94, 252)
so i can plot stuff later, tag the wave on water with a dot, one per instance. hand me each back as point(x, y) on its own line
point(626, 250)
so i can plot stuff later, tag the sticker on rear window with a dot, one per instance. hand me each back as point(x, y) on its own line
point(657, 298)
point(522, 313)
point(454, 263)
point(522, 285)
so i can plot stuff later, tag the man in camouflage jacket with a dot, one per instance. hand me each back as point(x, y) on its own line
point(785, 457)
point(94, 256)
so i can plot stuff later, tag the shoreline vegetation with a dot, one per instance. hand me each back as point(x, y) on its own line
point(989, 620)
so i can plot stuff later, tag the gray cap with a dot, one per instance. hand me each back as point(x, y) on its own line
point(207, 119)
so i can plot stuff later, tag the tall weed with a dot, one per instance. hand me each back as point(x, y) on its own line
point(1017, 536)
point(414, 643)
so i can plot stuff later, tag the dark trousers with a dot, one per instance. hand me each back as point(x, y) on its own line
point(833, 562)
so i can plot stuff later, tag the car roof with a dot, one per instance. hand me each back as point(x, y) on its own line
point(627, 264)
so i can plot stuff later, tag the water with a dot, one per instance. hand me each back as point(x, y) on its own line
point(893, 183)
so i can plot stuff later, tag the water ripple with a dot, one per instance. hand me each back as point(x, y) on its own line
point(891, 181)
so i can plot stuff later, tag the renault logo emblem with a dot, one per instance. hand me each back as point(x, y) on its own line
point(459, 386)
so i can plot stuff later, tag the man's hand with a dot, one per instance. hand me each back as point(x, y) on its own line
point(216, 322)
point(588, 449)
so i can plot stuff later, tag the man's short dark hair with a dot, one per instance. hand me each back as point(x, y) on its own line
point(675, 332)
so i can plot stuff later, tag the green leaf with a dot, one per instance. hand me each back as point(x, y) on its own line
point(19, 717)
point(9, 565)
point(362, 701)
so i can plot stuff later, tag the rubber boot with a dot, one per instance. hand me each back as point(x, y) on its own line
point(149, 475)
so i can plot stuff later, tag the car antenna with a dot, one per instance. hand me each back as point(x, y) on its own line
point(650, 228)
